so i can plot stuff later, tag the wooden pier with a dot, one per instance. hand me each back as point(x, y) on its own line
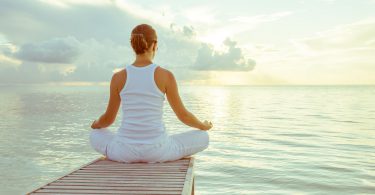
point(103, 176)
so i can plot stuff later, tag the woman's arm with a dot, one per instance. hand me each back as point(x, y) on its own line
point(110, 114)
point(178, 107)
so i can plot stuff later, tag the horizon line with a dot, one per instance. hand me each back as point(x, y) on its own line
point(97, 83)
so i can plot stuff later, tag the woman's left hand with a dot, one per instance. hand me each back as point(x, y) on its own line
point(95, 125)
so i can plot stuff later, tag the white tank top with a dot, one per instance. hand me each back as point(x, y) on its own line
point(142, 107)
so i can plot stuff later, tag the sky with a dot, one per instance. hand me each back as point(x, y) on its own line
point(239, 42)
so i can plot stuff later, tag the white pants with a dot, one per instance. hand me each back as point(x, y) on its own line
point(174, 147)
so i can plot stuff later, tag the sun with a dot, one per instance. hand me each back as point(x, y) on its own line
point(215, 39)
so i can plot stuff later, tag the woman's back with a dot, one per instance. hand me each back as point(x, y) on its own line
point(142, 105)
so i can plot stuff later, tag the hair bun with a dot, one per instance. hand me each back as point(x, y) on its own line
point(138, 42)
point(142, 37)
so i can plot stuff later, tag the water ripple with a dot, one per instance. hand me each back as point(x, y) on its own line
point(265, 140)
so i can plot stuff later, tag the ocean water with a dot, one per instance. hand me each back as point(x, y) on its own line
point(265, 140)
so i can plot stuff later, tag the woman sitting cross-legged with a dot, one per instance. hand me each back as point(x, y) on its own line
point(141, 88)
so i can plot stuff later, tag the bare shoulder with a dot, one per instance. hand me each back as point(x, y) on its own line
point(119, 78)
point(119, 75)
point(165, 73)
point(162, 70)
point(164, 78)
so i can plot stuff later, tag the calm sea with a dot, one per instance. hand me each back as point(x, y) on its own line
point(265, 140)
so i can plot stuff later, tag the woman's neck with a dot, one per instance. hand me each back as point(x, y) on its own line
point(143, 59)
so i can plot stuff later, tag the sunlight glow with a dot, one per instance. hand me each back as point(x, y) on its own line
point(117, 70)
point(216, 39)
point(79, 83)
point(9, 60)
point(228, 78)
point(68, 3)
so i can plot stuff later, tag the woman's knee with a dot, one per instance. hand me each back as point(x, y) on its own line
point(96, 133)
point(202, 142)
point(201, 137)
point(94, 137)
point(99, 132)
point(99, 137)
point(205, 138)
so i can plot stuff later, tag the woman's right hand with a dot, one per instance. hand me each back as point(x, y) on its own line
point(206, 125)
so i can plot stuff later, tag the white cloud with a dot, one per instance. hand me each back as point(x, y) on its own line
point(262, 18)
point(231, 60)
point(6, 61)
point(200, 15)
point(160, 15)
point(71, 3)
point(216, 34)
point(340, 55)
point(102, 29)
point(56, 50)
point(6, 52)
point(355, 35)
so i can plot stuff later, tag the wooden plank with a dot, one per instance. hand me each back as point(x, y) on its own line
point(132, 170)
point(188, 185)
point(135, 169)
point(107, 162)
point(126, 176)
point(102, 176)
point(122, 177)
point(87, 193)
point(164, 182)
point(93, 193)
point(139, 166)
point(117, 184)
point(91, 162)
point(106, 192)
point(125, 179)
point(46, 193)
point(104, 188)
point(69, 177)
point(129, 173)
